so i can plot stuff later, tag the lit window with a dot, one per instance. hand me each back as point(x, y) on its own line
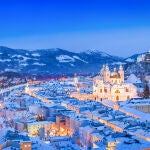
point(127, 90)
point(117, 91)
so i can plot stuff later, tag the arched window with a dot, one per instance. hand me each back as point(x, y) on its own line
point(115, 81)
point(100, 90)
point(105, 90)
point(117, 91)
point(127, 90)
point(117, 98)
point(128, 97)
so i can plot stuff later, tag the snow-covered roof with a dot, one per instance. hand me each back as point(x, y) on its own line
point(133, 79)
point(40, 122)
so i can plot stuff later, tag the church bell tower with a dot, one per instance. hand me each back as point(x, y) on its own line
point(121, 72)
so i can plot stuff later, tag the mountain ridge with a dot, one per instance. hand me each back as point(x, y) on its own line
point(54, 60)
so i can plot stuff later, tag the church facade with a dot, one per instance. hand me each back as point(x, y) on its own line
point(111, 85)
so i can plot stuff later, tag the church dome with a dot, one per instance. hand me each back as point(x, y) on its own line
point(115, 75)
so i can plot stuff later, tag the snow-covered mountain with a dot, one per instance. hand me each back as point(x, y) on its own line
point(133, 58)
point(138, 64)
point(46, 61)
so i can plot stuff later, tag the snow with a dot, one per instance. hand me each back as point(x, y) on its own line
point(134, 146)
point(18, 56)
point(22, 57)
point(40, 122)
point(140, 58)
point(130, 60)
point(11, 88)
point(2, 135)
point(143, 116)
point(118, 63)
point(72, 65)
point(5, 60)
point(39, 64)
point(25, 58)
point(97, 51)
point(24, 64)
point(36, 55)
point(104, 54)
point(13, 70)
point(76, 57)
point(96, 111)
point(65, 58)
point(40, 144)
point(133, 79)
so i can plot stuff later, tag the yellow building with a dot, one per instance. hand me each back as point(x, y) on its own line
point(35, 127)
point(25, 145)
point(111, 85)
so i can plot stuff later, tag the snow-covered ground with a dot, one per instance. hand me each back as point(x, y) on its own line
point(65, 58)
point(90, 112)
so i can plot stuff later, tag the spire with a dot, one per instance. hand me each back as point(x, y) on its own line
point(120, 67)
point(115, 70)
point(107, 68)
point(27, 84)
point(121, 72)
point(103, 68)
point(75, 75)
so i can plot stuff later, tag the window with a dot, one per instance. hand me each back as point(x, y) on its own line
point(127, 90)
point(100, 90)
point(117, 91)
point(117, 98)
point(105, 90)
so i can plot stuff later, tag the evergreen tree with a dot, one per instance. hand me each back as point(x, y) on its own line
point(146, 92)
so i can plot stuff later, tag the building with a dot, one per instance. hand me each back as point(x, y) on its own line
point(141, 58)
point(111, 85)
point(61, 125)
point(25, 145)
point(144, 57)
point(39, 110)
point(20, 126)
point(76, 83)
point(140, 104)
point(85, 136)
point(34, 128)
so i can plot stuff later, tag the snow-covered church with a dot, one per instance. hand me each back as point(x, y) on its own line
point(111, 85)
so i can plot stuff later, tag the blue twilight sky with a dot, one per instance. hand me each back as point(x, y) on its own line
point(119, 27)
